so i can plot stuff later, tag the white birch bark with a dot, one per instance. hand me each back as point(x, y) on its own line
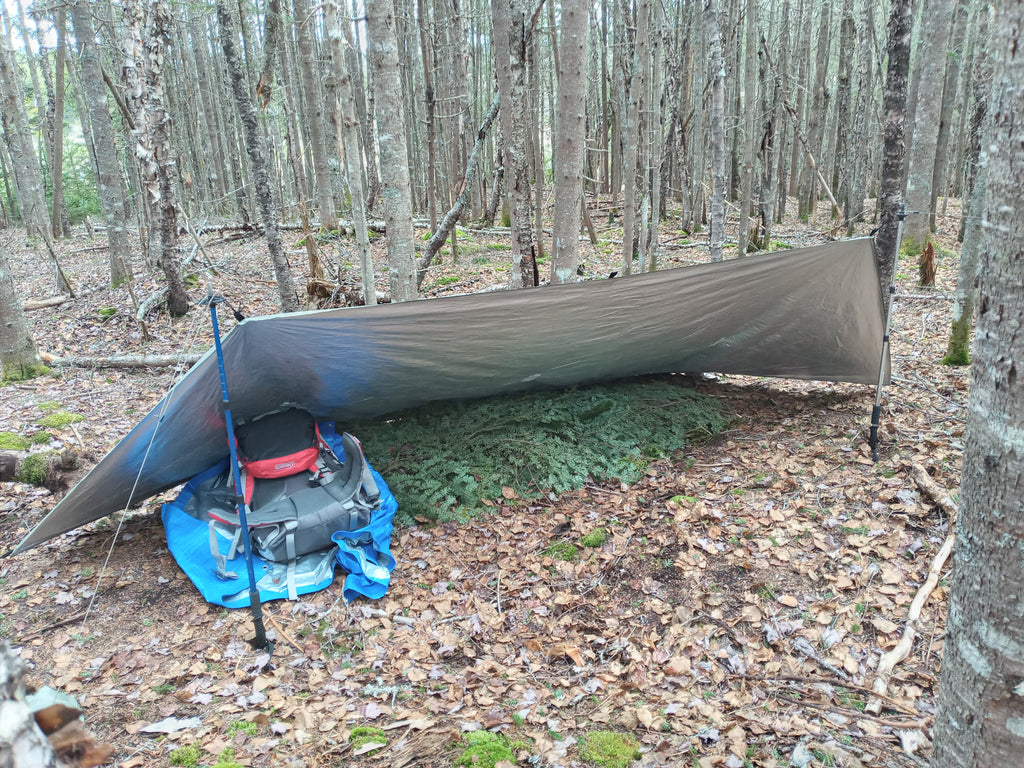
point(396, 194)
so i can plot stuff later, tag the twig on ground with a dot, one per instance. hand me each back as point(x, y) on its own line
point(888, 662)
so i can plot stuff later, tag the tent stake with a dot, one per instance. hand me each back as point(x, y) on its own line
point(876, 411)
point(260, 641)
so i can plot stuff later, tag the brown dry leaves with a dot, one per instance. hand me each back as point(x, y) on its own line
point(735, 612)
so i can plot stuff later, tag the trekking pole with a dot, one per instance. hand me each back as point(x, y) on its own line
point(260, 641)
point(876, 411)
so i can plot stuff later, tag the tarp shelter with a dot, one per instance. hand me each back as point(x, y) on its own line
point(810, 313)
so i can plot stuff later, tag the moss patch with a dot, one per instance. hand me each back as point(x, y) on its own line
point(484, 749)
point(596, 538)
point(42, 438)
point(24, 372)
point(60, 419)
point(609, 749)
point(36, 468)
point(187, 756)
point(562, 550)
point(12, 441)
point(362, 735)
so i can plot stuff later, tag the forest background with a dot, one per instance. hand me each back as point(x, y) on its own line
point(675, 130)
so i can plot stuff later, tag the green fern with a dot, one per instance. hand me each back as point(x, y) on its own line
point(444, 459)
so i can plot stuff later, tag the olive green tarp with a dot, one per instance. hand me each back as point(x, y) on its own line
point(811, 313)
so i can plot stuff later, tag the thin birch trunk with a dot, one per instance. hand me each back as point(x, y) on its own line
point(716, 65)
point(350, 139)
point(257, 157)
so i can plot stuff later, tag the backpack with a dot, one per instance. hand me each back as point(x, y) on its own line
point(297, 492)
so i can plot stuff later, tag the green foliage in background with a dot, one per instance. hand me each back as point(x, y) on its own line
point(442, 460)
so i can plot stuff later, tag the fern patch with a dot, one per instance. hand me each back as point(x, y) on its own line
point(449, 460)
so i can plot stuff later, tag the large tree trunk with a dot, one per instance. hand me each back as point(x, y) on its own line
point(570, 141)
point(631, 137)
point(511, 55)
point(145, 40)
point(353, 150)
point(718, 159)
point(980, 717)
point(895, 112)
point(257, 156)
point(930, 63)
point(396, 197)
point(749, 113)
point(305, 20)
point(28, 178)
point(19, 358)
point(108, 171)
point(59, 216)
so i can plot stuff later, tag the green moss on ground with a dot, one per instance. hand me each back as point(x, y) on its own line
point(59, 419)
point(366, 734)
point(596, 538)
point(449, 459)
point(12, 441)
point(562, 550)
point(609, 749)
point(187, 756)
point(485, 749)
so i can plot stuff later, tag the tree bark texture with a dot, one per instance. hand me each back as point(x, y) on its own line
point(980, 717)
point(146, 36)
point(894, 150)
point(353, 148)
point(396, 192)
point(305, 20)
point(257, 156)
point(19, 358)
point(108, 171)
point(27, 175)
point(931, 64)
point(718, 159)
point(517, 149)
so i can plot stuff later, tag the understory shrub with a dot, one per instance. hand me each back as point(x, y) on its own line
point(444, 459)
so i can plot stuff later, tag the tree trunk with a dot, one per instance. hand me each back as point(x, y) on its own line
point(980, 716)
point(516, 154)
point(353, 150)
point(305, 20)
point(931, 64)
point(108, 170)
point(718, 159)
point(958, 33)
point(749, 113)
point(59, 218)
point(27, 176)
point(19, 358)
point(570, 140)
point(145, 37)
point(853, 211)
point(894, 109)
point(257, 156)
point(396, 194)
point(807, 192)
point(631, 137)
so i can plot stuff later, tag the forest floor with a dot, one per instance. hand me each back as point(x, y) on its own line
point(734, 617)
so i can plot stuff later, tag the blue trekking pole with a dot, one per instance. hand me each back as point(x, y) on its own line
point(260, 641)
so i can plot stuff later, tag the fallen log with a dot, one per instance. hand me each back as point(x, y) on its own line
point(123, 361)
point(53, 301)
point(45, 469)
